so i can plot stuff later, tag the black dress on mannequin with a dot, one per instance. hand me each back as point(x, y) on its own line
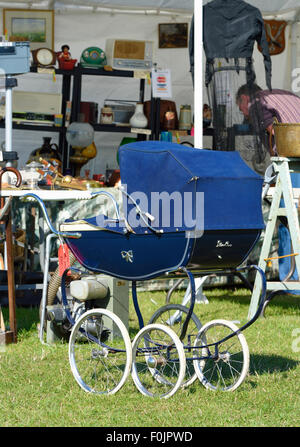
point(230, 30)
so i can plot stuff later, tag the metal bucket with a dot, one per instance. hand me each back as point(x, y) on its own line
point(287, 139)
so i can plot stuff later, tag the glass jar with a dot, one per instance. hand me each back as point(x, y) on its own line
point(185, 117)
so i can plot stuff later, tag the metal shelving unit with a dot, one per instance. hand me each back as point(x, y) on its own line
point(74, 94)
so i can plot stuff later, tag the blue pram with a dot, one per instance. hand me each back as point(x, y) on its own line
point(188, 210)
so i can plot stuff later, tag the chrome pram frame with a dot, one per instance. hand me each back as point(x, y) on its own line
point(160, 360)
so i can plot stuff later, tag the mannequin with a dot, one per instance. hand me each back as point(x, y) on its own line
point(230, 30)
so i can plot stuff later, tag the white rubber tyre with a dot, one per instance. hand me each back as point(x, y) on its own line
point(226, 368)
point(100, 353)
point(158, 361)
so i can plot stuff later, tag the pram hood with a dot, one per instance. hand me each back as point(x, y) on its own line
point(185, 188)
point(231, 214)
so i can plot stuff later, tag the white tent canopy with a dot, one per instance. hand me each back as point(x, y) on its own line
point(179, 6)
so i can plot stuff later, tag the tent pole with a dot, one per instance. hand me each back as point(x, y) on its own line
point(198, 74)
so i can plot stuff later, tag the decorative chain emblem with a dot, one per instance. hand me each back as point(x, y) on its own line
point(127, 255)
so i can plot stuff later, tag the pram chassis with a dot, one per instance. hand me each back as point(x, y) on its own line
point(163, 362)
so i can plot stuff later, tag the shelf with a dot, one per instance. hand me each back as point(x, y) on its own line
point(111, 128)
point(97, 127)
point(33, 127)
point(74, 77)
point(122, 129)
point(79, 70)
point(102, 72)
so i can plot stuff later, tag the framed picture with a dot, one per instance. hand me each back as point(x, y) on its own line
point(33, 25)
point(173, 35)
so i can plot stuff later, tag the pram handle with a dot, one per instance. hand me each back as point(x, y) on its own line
point(70, 234)
point(141, 213)
point(107, 194)
point(52, 229)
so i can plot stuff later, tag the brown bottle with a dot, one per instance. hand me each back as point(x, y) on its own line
point(47, 151)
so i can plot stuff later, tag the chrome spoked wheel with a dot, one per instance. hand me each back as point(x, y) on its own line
point(158, 361)
point(100, 352)
point(173, 316)
point(221, 363)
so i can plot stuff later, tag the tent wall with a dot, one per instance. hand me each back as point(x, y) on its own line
point(92, 29)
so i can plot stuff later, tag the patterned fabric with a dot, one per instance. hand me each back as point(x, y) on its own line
point(283, 105)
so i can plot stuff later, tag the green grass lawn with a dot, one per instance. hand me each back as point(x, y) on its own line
point(37, 388)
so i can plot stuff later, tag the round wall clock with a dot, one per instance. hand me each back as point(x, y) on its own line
point(44, 57)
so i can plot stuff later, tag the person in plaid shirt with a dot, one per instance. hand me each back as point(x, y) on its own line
point(260, 107)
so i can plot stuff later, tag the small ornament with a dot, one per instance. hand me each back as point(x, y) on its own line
point(138, 119)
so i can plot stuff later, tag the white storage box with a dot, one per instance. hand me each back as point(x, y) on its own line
point(14, 58)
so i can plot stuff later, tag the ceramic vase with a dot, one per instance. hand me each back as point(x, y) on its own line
point(139, 119)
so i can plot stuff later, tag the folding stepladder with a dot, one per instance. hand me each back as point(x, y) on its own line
point(283, 190)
